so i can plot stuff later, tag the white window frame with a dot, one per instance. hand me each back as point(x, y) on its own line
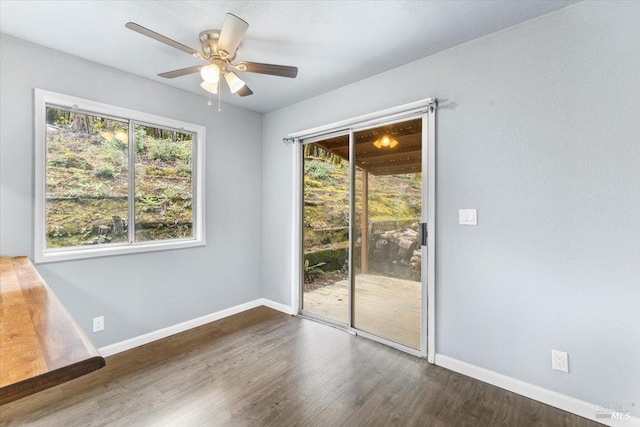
point(42, 99)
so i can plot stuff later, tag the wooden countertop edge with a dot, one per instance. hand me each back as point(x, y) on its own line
point(33, 385)
point(60, 374)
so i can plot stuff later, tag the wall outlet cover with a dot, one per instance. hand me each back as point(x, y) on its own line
point(559, 361)
point(98, 324)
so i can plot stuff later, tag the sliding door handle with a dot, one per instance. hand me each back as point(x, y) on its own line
point(423, 234)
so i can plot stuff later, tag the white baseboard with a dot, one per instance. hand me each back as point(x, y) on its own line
point(549, 397)
point(277, 306)
point(134, 342)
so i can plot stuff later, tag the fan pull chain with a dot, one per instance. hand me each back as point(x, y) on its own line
point(209, 102)
point(219, 97)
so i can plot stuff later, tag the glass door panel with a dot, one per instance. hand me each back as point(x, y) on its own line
point(387, 254)
point(325, 228)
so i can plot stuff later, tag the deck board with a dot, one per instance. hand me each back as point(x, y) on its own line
point(40, 344)
point(384, 306)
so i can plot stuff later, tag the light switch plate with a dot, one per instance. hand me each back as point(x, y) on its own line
point(468, 216)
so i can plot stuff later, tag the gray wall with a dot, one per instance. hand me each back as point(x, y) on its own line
point(142, 292)
point(539, 129)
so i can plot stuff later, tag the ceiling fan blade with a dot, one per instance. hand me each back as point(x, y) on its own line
point(181, 72)
point(271, 69)
point(233, 30)
point(245, 91)
point(166, 40)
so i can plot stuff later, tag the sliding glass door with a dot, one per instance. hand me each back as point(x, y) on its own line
point(325, 228)
point(387, 284)
point(363, 254)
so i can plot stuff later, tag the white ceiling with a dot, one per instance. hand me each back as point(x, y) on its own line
point(333, 43)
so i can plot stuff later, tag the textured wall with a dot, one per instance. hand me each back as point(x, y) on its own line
point(142, 292)
point(539, 129)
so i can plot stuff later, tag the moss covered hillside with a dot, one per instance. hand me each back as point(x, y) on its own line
point(87, 181)
point(326, 197)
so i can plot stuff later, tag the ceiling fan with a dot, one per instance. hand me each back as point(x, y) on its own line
point(219, 48)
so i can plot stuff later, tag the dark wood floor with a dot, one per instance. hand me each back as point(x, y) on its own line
point(262, 367)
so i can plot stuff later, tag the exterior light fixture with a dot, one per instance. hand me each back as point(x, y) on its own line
point(385, 141)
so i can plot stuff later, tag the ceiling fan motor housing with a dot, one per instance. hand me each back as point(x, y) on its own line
point(209, 40)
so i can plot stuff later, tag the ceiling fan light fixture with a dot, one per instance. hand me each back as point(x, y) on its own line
point(210, 73)
point(235, 83)
point(210, 87)
point(385, 141)
point(218, 50)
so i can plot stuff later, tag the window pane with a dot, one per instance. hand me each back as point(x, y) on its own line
point(163, 184)
point(86, 179)
point(325, 213)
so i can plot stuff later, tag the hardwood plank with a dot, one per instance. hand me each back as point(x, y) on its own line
point(40, 344)
point(264, 368)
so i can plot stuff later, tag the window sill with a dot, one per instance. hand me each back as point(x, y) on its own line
point(83, 253)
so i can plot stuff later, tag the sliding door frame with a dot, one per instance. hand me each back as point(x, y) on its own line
point(426, 109)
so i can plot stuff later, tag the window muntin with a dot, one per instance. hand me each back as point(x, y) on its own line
point(111, 180)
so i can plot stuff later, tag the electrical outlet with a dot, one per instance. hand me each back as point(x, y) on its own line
point(559, 361)
point(98, 324)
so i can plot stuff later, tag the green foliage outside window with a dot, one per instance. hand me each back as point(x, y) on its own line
point(88, 182)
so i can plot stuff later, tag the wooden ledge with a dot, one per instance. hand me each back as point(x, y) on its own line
point(40, 344)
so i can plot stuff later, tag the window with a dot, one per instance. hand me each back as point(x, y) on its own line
point(112, 181)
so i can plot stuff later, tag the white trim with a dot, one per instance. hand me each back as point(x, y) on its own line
point(546, 396)
point(296, 230)
point(134, 342)
point(42, 254)
point(277, 306)
point(40, 154)
point(431, 235)
point(98, 251)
